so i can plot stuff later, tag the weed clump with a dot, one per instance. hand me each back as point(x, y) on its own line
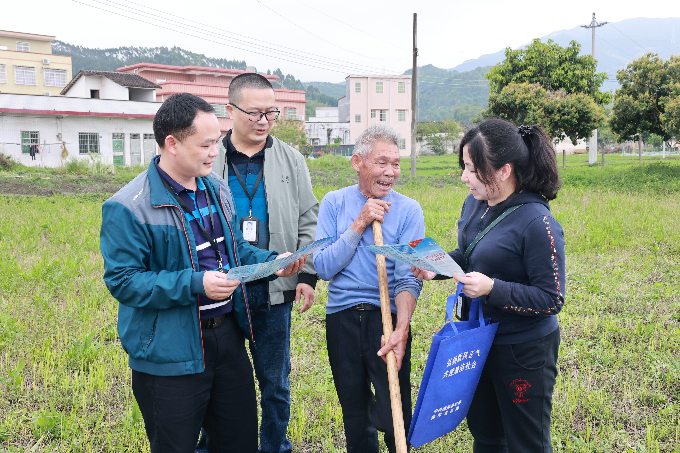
point(5, 162)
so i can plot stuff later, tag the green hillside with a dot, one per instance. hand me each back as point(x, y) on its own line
point(112, 58)
point(444, 94)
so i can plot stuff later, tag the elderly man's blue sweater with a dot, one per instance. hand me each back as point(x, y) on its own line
point(351, 269)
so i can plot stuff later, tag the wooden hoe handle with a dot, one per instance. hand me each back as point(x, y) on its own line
point(393, 377)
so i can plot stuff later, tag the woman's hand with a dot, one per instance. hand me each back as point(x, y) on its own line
point(422, 274)
point(475, 284)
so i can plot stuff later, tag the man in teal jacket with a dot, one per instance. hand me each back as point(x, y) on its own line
point(167, 239)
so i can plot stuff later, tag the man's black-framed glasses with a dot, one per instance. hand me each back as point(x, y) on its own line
point(257, 116)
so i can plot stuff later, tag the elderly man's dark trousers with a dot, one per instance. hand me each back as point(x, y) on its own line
point(221, 399)
point(353, 338)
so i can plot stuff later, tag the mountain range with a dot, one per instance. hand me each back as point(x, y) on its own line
point(616, 44)
point(458, 93)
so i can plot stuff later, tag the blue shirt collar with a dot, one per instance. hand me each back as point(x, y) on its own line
point(177, 187)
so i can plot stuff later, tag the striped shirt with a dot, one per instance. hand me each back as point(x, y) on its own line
point(198, 201)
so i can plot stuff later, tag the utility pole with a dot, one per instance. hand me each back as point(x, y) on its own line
point(592, 152)
point(414, 91)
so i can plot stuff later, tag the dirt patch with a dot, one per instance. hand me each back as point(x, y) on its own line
point(17, 185)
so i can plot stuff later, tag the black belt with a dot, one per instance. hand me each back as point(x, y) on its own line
point(365, 307)
point(213, 323)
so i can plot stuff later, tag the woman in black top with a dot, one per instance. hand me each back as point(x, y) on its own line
point(517, 269)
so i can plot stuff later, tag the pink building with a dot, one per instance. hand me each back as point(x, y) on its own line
point(212, 84)
point(378, 98)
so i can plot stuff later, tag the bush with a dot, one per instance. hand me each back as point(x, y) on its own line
point(76, 166)
point(95, 166)
point(5, 162)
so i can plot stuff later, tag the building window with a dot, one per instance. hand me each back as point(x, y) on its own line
point(29, 138)
point(357, 87)
point(23, 47)
point(378, 87)
point(94, 94)
point(88, 142)
point(357, 118)
point(401, 115)
point(55, 77)
point(373, 113)
point(401, 87)
point(3, 73)
point(315, 141)
point(290, 112)
point(402, 143)
point(24, 75)
point(220, 110)
point(118, 147)
point(383, 115)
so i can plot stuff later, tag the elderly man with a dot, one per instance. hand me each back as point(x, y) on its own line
point(167, 239)
point(353, 317)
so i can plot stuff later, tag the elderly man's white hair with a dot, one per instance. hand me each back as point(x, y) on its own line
point(377, 132)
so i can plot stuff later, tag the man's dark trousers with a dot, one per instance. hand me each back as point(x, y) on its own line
point(511, 409)
point(221, 399)
point(353, 338)
point(271, 359)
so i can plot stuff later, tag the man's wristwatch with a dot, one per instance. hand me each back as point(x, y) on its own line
point(493, 280)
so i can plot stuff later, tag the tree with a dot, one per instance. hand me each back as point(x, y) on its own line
point(293, 133)
point(649, 87)
point(559, 114)
point(440, 136)
point(551, 66)
point(551, 86)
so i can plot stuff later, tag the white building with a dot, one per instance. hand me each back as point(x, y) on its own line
point(110, 85)
point(120, 131)
point(324, 128)
point(371, 99)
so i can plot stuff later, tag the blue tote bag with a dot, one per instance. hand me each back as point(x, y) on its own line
point(452, 372)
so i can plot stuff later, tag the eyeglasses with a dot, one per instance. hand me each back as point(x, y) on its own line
point(257, 116)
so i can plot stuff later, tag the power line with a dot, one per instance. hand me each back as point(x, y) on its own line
point(344, 70)
point(643, 48)
point(351, 26)
point(221, 38)
point(316, 36)
point(255, 41)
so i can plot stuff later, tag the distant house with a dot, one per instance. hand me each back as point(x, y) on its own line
point(212, 84)
point(324, 128)
point(94, 84)
point(119, 131)
point(27, 65)
point(371, 99)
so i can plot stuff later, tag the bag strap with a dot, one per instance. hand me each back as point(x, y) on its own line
point(479, 237)
point(475, 307)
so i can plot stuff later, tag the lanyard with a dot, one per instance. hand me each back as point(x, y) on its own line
point(245, 189)
point(500, 214)
point(206, 234)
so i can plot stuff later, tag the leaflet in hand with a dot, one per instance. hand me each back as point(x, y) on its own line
point(424, 254)
point(261, 270)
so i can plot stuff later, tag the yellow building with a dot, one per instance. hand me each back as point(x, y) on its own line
point(27, 65)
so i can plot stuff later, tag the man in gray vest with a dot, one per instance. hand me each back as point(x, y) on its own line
point(276, 210)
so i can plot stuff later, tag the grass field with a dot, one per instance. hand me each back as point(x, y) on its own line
point(64, 380)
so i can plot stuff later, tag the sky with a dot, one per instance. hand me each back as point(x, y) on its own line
point(319, 40)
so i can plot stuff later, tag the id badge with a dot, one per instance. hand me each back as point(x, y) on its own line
point(459, 308)
point(250, 229)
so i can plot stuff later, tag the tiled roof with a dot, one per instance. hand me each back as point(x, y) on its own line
point(121, 78)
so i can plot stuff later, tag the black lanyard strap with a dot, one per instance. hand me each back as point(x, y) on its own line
point(245, 189)
point(209, 237)
point(494, 222)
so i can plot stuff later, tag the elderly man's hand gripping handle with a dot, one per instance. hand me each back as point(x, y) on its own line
point(392, 352)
